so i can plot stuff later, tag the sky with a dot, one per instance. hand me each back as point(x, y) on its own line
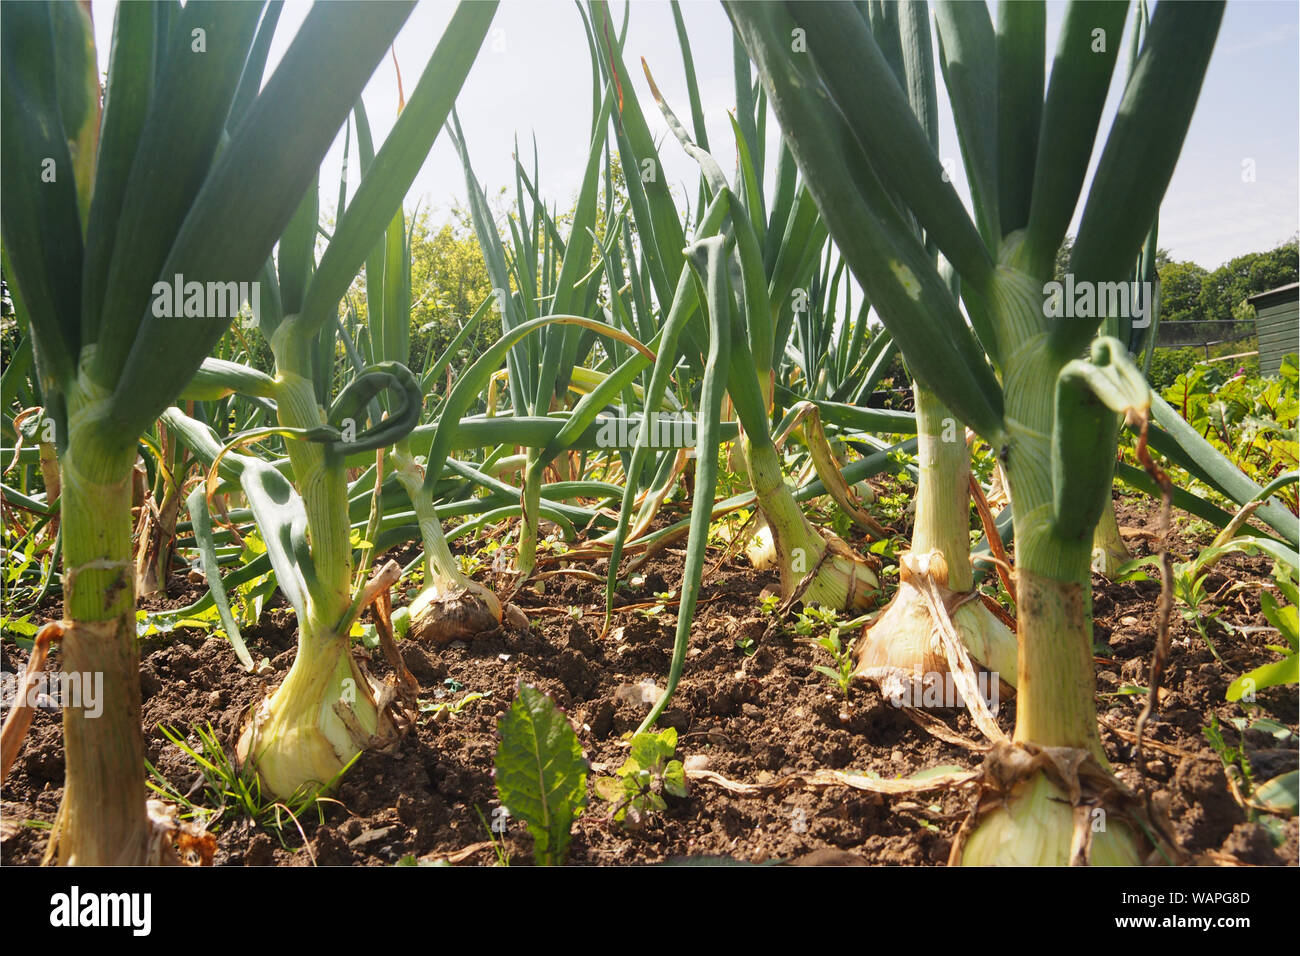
point(1236, 188)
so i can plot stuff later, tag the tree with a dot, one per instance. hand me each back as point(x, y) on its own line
point(448, 282)
point(1224, 291)
point(1180, 291)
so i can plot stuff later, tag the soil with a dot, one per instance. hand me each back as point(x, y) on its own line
point(748, 717)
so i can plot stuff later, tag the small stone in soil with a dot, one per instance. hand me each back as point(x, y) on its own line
point(370, 836)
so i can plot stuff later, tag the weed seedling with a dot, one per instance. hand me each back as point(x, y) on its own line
point(842, 672)
point(637, 788)
point(227, 791)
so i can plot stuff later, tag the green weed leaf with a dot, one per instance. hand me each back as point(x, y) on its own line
point(541, 772)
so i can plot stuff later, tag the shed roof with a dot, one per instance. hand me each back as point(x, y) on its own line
point(1279, 292)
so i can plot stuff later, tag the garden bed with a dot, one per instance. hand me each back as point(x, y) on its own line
point(750, 718)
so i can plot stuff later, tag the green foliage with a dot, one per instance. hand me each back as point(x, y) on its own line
point(1282, 616)
point(449, 707)
point(541, 772)
point(1167, 364)
point(229, 794)
point(1235, 762)
point(1180, 291)
point(650, 771)
point(1189, 590)
point(842, 672)
point(1276, 796)
point(448, 282)
point(809, 623)
point(1225, 290)
point(1252, 421)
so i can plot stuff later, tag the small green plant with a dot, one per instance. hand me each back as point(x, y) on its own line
point(1282, 616)
point(662, 601)
point(814, 618)
point(1268, 803)
point(809, 623)
point(768, 604)
point(227, 792)
point(541, 772)
point(842, 672)
point(1189, 589)
point(637, 787)
point(1235, 763)
point(498, 846)
point(451, 708)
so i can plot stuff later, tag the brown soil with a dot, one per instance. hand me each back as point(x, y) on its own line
point(752, 717)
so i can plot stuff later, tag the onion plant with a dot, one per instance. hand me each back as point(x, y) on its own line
point(773, 253)
point(562, 372)
point(1049, 414)
point(450, 605)
point(545, 275)
point(190, 166)
point(901, 650)
point(327, 710)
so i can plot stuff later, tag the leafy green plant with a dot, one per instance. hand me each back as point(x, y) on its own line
point(842, 672)
point(637, 788)
point(813, 618)
point(661, 602)
point(1189, 591)
point(1282, 616)
point(1276, 798)
point(1189, 579)
point(1216, 462)
point(1250, 420)
point(541, 773)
